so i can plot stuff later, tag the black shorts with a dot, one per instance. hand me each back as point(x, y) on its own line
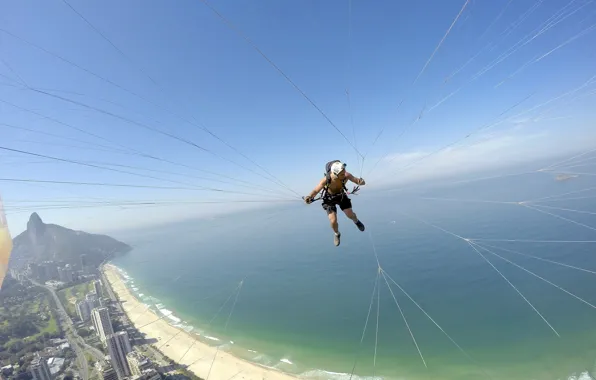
point(330, 203)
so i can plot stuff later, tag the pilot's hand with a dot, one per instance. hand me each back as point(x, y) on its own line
point(307, 199)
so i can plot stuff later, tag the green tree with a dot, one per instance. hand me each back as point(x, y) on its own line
point(26, 375)
point(16, 347)
point(70, 354)
point(23, 328)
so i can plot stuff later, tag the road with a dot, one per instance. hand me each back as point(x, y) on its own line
point(75, 341)
point(70, 332)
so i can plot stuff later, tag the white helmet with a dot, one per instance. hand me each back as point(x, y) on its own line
point(337, 167)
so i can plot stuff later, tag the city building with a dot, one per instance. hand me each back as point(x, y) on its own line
point(18, 275)
point(55, 365)
point(108, 373)
point(40, 369)
point(102, 323)
point(36, 271)
point(148, 374)
point(83, 310)
point(65, 274)
point(14, 273)
point(97, 287)
point(118, 347)
point(137, 363)
point(92, 300)
point(50, 270)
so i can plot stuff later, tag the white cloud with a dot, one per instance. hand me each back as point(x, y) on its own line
point(488, 152)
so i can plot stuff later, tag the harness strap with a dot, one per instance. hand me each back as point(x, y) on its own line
point(325, 189)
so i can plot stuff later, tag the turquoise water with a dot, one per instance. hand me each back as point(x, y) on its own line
point(303, 303)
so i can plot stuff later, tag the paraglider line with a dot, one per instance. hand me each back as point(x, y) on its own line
point(404, 318)
point(437, 325)
point(534, 274)
point(236, 289)
point(514, 287)
point(256, 48)
point(534, 257)
point(566, 209)
point(226, 326)
point(372, 297)
point(471, 244)
point(560, 217)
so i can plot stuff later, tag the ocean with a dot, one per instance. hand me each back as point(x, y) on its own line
point(298, 303)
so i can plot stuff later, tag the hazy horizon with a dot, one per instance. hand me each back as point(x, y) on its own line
point(503, 173)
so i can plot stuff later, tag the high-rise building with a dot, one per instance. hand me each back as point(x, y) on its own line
point(50, 270)
point(108, 373)
point(92, 300)
point(40, 369)
point(14, 273)
point(83, 310)
point(137, 363)
point(97, 287)
point(65, 274)
point(37, 272)
point(118, 347)
point(102, 323)
point(149, 374)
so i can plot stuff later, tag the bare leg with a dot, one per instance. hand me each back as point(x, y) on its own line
point(350, 214)
point(333, 221)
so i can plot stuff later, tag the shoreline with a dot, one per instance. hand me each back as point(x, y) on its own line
point(178, 343)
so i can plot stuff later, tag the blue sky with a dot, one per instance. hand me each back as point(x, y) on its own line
point(186, 65)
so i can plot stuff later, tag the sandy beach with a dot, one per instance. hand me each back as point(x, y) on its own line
point(200, 356)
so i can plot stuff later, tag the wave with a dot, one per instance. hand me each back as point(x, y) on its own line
point(122, 272)
point(582, 376)
point(264, 360)
point(317, 374)
point(185, 327)
point(169, 314)
point(158, 307)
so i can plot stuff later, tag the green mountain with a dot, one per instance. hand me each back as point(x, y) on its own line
point(43, 242)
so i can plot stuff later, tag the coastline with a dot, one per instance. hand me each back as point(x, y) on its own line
point(177, 341)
